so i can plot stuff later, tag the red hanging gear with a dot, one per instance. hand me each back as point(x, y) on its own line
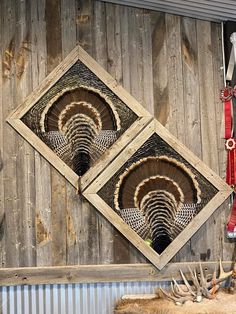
point(226, 96)
point(231, 225)
point(230, 145)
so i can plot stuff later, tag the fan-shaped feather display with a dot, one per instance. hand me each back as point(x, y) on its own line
point(79, 125)
point(157, 197)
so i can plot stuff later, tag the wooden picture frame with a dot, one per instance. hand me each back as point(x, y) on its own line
point(91, 193)
point(78, 53)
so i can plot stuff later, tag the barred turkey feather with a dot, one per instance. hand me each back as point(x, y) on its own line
point(103, 140)
point(134, 218)
point(54, 139)
point(159, 195)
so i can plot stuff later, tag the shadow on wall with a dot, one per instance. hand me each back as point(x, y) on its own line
point(1, 162)
point(2, 214)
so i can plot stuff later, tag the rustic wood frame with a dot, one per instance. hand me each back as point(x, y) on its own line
point(100, 273)
point(78, 53)
point(158, 260)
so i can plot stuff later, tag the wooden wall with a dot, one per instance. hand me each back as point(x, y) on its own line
point(171, 64)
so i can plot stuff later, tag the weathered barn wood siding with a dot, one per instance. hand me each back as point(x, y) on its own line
point(171, 64)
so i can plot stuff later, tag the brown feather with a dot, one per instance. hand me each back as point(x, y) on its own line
point(158, 187)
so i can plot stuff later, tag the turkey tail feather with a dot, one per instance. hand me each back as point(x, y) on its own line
point(86, 120)
point(158, 187)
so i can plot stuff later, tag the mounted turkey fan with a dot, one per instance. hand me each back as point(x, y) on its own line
point(79, 124)
point(157, 197)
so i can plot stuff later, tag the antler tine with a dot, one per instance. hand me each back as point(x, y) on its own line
point(202, 277)
point(177, 300)
point(214, 274)
point(214, 289)
point(173, 290)
point(223, 275)
point(178, 291)
point(194, 277)
point(187, 283)
point(196, 284)
point(221, 267)
point(207, 294)
point(169, 296)
point(177, 285)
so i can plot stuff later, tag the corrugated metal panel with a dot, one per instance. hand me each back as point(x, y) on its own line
point(213, 10)
point(98, 298)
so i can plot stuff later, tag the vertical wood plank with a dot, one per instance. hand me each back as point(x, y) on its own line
point(207, 105)
point(43, 212)
point(147, 82)
point(58, 183)
point(103, 33)
point(84, 24)
point(218, 83)
point(59, 219)
point(25, 158)
point(191, 86)
point(68, 26)
point(160, 75)
point(2, 212)
point(89, 218)
point(220, 245)
point(2, 125)
point(68, 38)
point(42, 167)
point(175, 123)
point(123, 251)
point(124, 21)
point(208, 121)
point(53, 33)
point(73, 227)
point(140, 79)
point(135, 50)
point(191, 110)
point(9, 147)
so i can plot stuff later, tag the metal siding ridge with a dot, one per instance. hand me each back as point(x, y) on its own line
point(192, 6)
point(96, 298)
point(187, 10)
point(195, 5)
point(188, 13)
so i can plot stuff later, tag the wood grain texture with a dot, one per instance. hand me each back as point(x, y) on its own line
point(2, 211)
point(89, 220)
point(53, 11)
point(53, 33)
point(10, 148)
point(106, 38)
point(101, 273)
point(70, 218)
point(160, 74)
point(42, 167)
point(25, 163)
point(161, 60)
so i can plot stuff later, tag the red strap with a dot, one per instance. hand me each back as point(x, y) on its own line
point(232, 221)
point(228, 118)
point(231, 167)
point(226, 96)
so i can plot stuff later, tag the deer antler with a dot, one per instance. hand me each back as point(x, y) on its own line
point(201, 286)
point(178, 300)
